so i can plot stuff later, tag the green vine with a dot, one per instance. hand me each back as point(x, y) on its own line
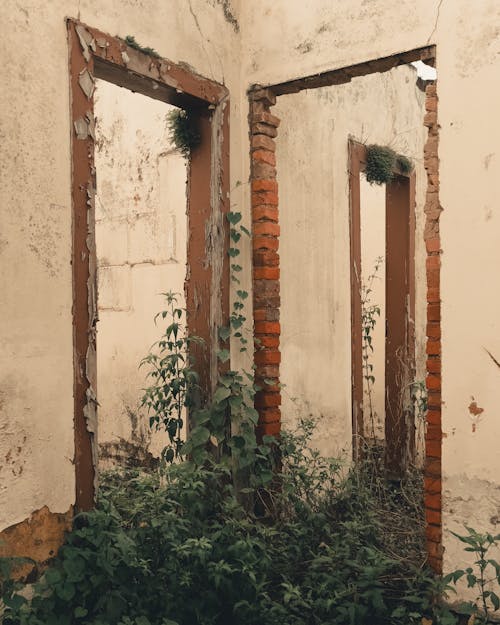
point(223, 430)
point(369, 315)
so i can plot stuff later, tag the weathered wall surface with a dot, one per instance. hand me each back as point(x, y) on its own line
point(286, 40)
point(36, 350)
point(141, 251)
point(313, 170)
point(275, 42)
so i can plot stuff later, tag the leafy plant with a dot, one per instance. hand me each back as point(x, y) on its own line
point(369, 315)
point(222, 537)
point(178, 547)
point(173, 377)
point(481, 576)
point(381, 162)
point(229, 421)
point(184, 133)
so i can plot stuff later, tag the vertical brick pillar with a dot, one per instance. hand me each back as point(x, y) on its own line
point(432, 475)
point(266, 269)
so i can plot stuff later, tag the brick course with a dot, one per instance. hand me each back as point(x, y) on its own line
point(266, 273)
point(433, 449)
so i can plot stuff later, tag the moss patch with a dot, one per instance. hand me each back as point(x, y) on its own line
point(131, 41)
point(381, 161)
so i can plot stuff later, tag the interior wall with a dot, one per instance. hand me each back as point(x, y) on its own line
point(312, 165)
point(141, 253)
point(36, 342)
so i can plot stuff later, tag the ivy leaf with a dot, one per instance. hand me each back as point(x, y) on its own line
point(224, 332)
point(199, 436)
point(221, 394)
point(238, 442)
point(223, 355)
point(233, 217)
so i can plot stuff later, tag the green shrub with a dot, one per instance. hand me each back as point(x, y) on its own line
point(177, 547)
point(224, 538)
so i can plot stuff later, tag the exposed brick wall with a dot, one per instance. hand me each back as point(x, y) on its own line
point(266, 264)
point(432, 481)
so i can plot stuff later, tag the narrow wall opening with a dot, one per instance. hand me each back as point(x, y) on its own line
point(317, 295)
point(387, 419)
point(313, 168)
point(97, 55)
point(141, 248)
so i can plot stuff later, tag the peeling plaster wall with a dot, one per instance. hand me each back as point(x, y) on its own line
point(141, 250)
point(36, 344)
point(275, 42)
point(312, 163)
point(287, 39)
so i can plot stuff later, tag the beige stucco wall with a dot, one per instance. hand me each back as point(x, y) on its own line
point(36, 351)
point(312, 158)
point(288, 39)
point(141, 251)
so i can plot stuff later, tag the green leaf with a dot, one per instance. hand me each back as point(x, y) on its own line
point(234, 218)
point(199, 436)
point(225, 332)
point(221, 394)
point(223, 355)
point(495, 600)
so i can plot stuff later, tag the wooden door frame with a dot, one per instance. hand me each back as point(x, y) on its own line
point(94, 54)
point(400, 312)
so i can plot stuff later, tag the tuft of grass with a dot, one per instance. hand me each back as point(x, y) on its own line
point(131, 41)
point(183, 131)
point(381, 162)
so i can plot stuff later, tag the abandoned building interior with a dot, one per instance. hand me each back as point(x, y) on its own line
point(373, 303)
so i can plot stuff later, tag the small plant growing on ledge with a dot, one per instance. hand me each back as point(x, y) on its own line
point(183, 132)
point(131, 41)
point(381, 161)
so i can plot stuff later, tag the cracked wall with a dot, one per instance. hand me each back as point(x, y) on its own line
point(36, 343)
point(282, 45)
point(274, 44)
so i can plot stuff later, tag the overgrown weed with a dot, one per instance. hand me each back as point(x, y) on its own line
point(329, 544)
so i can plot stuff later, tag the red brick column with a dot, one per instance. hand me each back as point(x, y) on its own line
point(266, 269)
point(432, 475)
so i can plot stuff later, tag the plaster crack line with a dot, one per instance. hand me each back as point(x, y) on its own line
point(202, 38)
point(436, 21)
